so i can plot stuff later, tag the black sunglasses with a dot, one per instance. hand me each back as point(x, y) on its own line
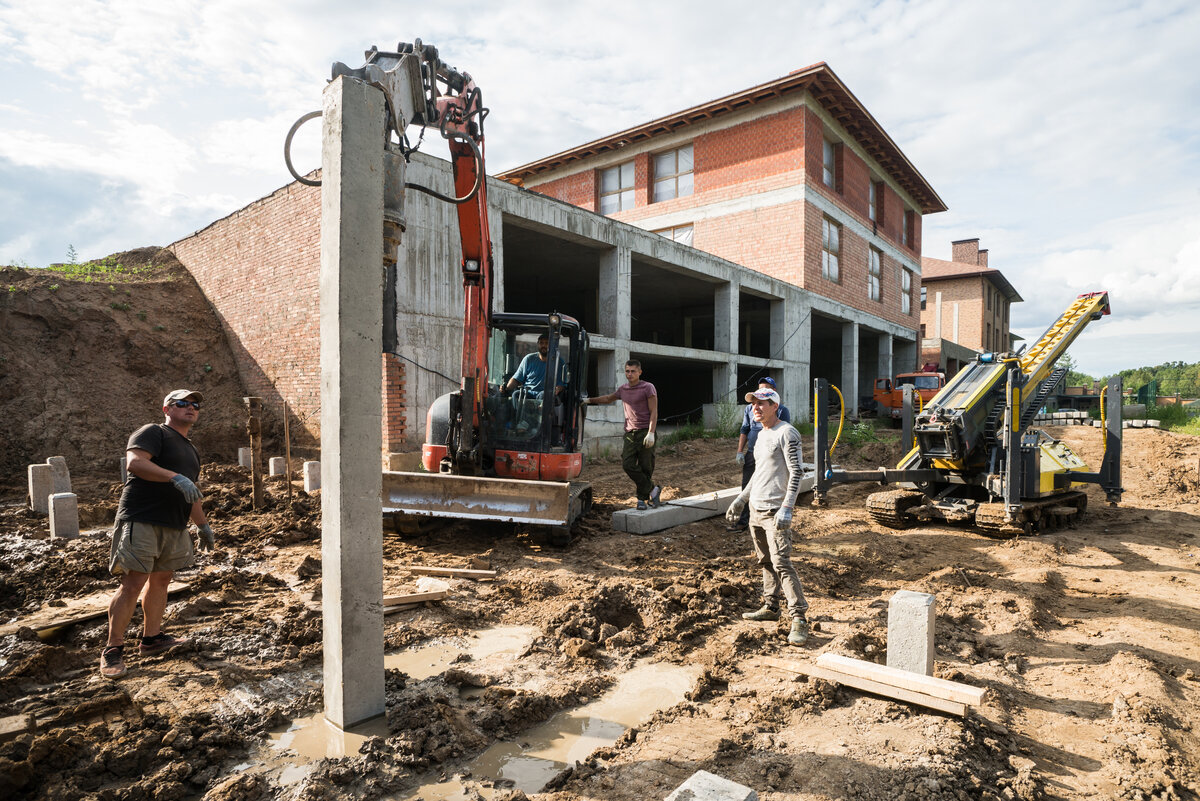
point(183, 403)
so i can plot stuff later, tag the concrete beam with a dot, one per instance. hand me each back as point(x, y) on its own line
point(62, 476)
point(682, 511)
point(64, 516)
point(41, 486)
point(351, 400)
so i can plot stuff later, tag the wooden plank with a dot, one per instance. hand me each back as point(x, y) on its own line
point(14, 726)
point(76, 610)
point(457, 572)
point(414, 597)
point(906, 679)
point(887, 691)
point(387, 610)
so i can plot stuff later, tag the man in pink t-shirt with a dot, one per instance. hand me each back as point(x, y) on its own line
point(641, 419)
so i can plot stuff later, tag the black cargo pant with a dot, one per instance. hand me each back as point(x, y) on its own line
point(638, 462)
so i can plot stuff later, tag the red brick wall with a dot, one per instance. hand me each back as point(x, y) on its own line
point(259, 268)
point(754, 150)
point(395, 397)
point(578, 189)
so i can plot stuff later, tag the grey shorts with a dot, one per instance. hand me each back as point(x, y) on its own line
point(146, 548)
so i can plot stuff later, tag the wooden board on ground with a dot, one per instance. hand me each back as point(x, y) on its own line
point(414, 597)
point(904, 679)
point(878, 688)
point(75, 610)
point(456, 572)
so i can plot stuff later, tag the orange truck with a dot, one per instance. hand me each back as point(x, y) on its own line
point(889, 393)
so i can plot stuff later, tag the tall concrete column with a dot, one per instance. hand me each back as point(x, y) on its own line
point(885, 357)
point(797, 355)
point(351, 290)
point(849, 385)
point(616, 286)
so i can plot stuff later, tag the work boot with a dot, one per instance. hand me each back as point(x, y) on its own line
point(799, 633)
point(655, 494)
point(157, 643)
point(112, 662)
point(767, 612)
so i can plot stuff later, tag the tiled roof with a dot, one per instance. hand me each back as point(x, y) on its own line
point(940, 270)
point(818, 79)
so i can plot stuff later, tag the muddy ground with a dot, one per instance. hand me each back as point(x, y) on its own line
point(1086, 640)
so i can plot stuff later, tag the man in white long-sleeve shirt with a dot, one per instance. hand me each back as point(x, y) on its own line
point(771, 495)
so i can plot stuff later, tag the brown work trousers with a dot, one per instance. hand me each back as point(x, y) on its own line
point(773, 549)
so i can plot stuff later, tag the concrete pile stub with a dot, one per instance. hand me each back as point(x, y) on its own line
point(910, 632)
point(705, 786)
point(62, 475)
point(244, 457)
point(278, 466)
point(41, 486)
point(312, 476)
point(64, 516)
point(123, 469)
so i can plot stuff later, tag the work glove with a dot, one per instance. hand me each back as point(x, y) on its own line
point(208, 540)
point(190, 492)
point(734, 512)
point(648, 442)
point(741, 457)
point(783, 518)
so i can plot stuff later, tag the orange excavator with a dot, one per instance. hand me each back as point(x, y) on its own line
point(506, 445)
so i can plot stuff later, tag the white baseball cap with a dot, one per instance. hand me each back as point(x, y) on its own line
point(763, 394)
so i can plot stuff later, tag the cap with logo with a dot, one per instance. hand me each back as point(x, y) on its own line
point(766, 379)
point(763, 394)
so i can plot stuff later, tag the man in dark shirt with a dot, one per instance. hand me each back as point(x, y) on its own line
point(150, 540)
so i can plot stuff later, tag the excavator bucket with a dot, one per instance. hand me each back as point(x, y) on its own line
point(545, 503)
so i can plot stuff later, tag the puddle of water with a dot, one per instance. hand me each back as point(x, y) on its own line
point(314, 738)
point(570, 736)
point(422, 663)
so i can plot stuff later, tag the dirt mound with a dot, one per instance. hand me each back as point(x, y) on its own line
point(83, 363)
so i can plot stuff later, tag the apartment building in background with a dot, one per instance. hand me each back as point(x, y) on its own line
point(965, 307)
point(792, 178)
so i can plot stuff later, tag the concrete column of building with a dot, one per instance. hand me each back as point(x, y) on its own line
point(796, 353)
point(726, 302)
point(616, 284)
point(351, 292)
point(849, 385)
point(885, 368)
point(496, 227)
point(907, 352)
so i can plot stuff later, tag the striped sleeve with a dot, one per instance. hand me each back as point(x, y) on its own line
point(793, 453)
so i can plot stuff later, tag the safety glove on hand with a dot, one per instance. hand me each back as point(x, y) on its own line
point(208, 540)
point(783, 518)
point(648, 442)
point(741, 457)
point(190, 492)
point(734, 512)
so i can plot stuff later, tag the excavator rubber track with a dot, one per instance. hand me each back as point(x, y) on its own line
point(1040, 516)
point(890, 508)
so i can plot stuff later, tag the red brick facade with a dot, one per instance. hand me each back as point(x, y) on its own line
point(777, 151)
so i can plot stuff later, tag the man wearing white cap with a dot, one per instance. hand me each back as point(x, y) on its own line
point(771, 495)
point(150, 540)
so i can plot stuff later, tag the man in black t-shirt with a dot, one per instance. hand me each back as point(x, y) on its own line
point(150, 540)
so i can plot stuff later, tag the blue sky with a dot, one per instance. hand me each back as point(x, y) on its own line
point(1065, 135)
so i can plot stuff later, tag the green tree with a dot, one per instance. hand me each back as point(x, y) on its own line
point(72, 256)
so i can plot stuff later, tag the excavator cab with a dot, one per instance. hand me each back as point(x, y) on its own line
point(534, 397)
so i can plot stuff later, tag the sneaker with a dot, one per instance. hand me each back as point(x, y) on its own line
point(112, 662)
point(158, 643)
point(799, 633)
point(655, 494)
point(767, 612)
point(641, 505)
